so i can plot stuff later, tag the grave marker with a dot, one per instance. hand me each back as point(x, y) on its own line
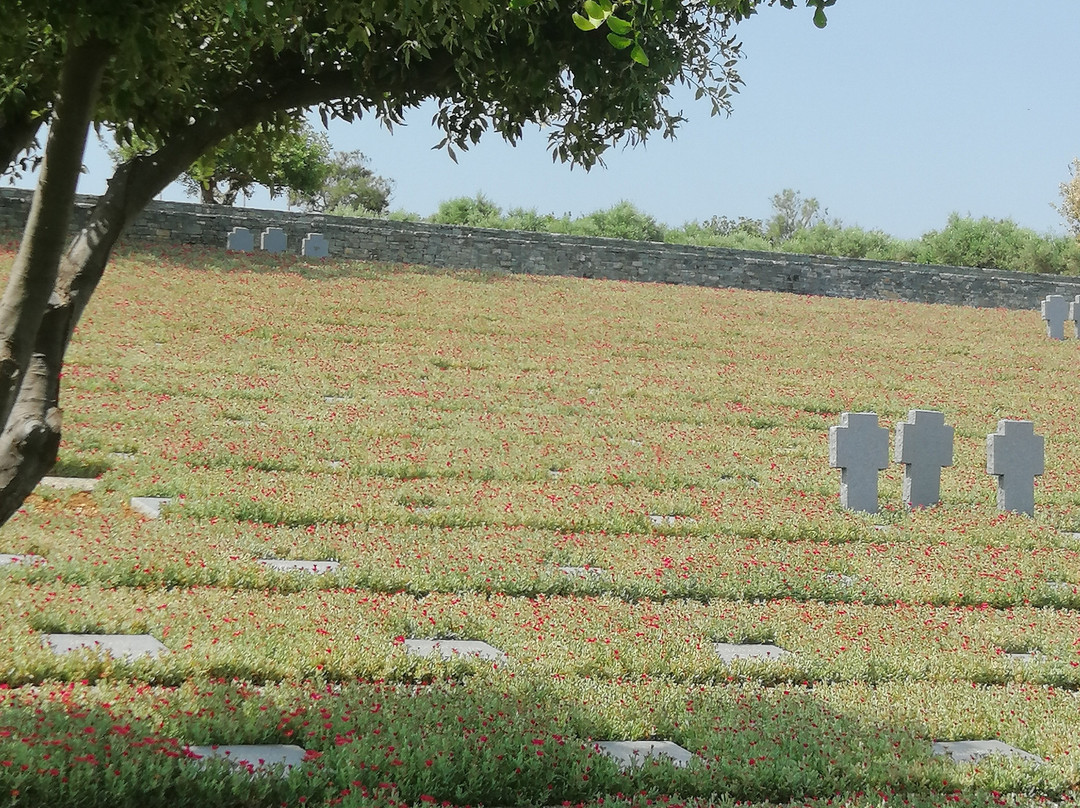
point(273, 240)
point(860, 449)
point(1054, 311)
point(255, 756)
point(149, 506)
point(1015, 455)
point(451, 649)
point(1074, 315)
point(729, 652)
point(315, 246)
point(583, 572)
point(924, 444)
point(240, 239)
point(298, 565)
point(631, 754)
point(974, 751)
point(117, 646)
point(21, 558)
point(70, 483)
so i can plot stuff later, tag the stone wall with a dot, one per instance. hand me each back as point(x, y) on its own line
point(547, 254)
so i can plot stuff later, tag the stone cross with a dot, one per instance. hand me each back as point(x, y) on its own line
point(860, 448)
point(924, 444)
point(273, 240)
point(240, 239)
point(1074, 315)
point(1015, 455)
point(1054, 310)
point(315, 246)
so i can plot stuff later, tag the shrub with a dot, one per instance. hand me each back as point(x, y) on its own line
point(997, 244)
point(850, 242)
point(622, 220)
point(469, 211)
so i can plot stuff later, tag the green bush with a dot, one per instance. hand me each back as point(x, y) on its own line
point(703, 235)
point(826, 238)
point(622, 220)
point(469, 211)
point(997, 244)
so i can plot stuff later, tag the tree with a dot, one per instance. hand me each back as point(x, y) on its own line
point(1070, 199)
point(791, 213)
point(348, 184)
point(186, 74)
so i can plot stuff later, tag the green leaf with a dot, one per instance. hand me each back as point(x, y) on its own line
point(819, 17)
point(606, 7)
point(594, 11)
point(584, 23)
point(619, 42)
point(638, 55)
point(619, 26)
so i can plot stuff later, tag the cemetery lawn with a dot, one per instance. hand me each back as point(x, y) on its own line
point(600, 480)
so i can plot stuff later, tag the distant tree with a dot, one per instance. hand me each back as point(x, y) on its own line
point(792, 213)
point(1070, 199)
point(348, 185)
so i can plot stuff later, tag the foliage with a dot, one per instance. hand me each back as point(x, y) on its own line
point(997, 243)
point(477, 211)
point(349, 185)
point(824, 238)
point(791, 213)
point(621, 220)
point(1070, 199)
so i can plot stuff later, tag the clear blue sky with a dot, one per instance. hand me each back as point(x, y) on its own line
point(896, 114)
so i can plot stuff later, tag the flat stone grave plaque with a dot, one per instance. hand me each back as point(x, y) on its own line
point(584, 572)
point(70, 483)
point(149, 506)
point(117, 646)
point(974, 751)
point(839, 579)
point(335, 399)
point(21, 558)
point(257, 756)
point(659, 519)
point(314, 245)
point(1060, 586)
point(1023, 657)
point(729, 652)
point(273, 240)
point(298, 565)
point(452, 649)
point(631, 754)
point(240, 239)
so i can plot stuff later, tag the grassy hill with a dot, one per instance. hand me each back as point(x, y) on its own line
point(602, 480)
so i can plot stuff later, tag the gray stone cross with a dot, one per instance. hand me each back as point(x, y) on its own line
point(315, 246)
point(924, 444)
point(860, 448)
point(1054, 310)
point(240, 239)
point(1015, 455)
point(273, 240)
point(1074, 315)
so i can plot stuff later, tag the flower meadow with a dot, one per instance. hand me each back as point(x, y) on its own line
point(602, 480)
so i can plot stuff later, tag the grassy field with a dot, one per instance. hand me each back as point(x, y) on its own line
point(453, 439)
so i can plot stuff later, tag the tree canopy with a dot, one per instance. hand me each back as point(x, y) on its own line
point(185, 75)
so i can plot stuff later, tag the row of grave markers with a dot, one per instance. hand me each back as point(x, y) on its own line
point(627, 753)
point(924, 444)
point(274, 240)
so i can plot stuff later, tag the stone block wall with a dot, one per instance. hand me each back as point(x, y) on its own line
point(613, 259)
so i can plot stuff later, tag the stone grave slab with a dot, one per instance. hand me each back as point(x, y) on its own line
point(149, 506)
point(659, 519)
point(117, 646)
point(974, 751)
point(273, 240)
point(1074, 315)
point(1023, 657)
point(315, 245)
point(21, 558)
point(924, 444)
point(840, 579)
point(860, 449)
point(257, 756)
point(584, 572)
point(632, 754)
point(729, 652)
point(453, 649)
point(1060, 586)
point(240, 239)
point(335, 399)
point(1015, 455)
point(1055, 310)
point(298, 565)
point(70, 483)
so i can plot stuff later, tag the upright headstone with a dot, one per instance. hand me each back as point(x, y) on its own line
point(1074, 315)
point(273, 240)
point(315, 246)
point(860, 449)
point(924, 444)
point(240, 239)
point(1015, 455)
point(1054, 310)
